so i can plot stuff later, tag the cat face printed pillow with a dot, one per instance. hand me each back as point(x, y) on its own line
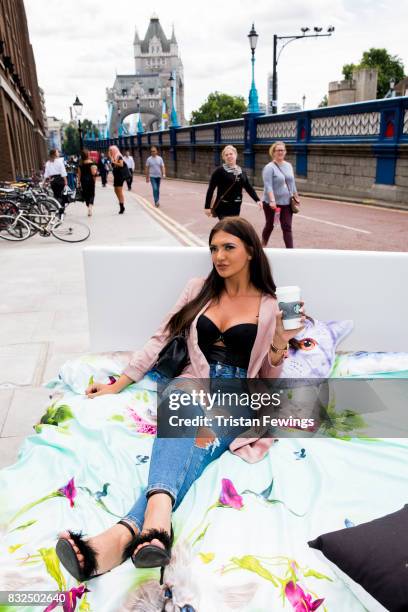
point(316, 354)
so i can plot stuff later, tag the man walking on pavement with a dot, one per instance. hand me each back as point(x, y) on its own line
point(130, 162)
point(103, 168)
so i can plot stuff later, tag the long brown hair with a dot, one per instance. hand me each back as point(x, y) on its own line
point(259, 273)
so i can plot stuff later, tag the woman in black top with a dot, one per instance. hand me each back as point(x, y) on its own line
point(120, 172)
point(228, 179)
point(87, 171)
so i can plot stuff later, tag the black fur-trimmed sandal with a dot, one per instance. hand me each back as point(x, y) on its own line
point(152, 555)
point(67, 555)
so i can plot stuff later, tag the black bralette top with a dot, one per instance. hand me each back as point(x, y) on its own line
point(238, 342)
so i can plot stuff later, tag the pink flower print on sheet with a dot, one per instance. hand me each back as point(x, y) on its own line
point(229, 496)
point(142, 426)
point(69, 491)
point(301, 602)
point(70, 599)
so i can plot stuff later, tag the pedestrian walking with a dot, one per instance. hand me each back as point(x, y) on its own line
point(279, 187)
point(229, 180)
point(87, 171)
point(55, 173)
point(155, 171)
point(103, 169)
point(130, 162)
point(120, 174)
point(71, 167)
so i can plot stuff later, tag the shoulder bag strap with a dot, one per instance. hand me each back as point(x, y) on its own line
point(284, 176)
point(214, 206)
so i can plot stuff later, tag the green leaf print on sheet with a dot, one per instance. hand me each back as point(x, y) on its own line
point(55, 415)
point(288, 581)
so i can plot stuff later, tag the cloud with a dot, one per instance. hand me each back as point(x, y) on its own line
point(79, 46)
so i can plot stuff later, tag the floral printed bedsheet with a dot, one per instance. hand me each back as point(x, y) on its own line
point(241, 532)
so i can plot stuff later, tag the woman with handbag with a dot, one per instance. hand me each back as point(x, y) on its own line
point(279, 190)
point(229, 180)
point(233, 329)
point(87, 171)
point(120, 174)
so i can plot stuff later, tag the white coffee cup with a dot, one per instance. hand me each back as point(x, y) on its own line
point(289, 303)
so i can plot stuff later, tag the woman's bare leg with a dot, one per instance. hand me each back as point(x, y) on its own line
point(157, 516)
point(121, 198)
point(108, 545)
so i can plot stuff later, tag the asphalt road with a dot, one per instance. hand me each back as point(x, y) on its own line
point(321, 224)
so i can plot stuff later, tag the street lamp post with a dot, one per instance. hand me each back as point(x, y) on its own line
point(303, 101)
point(253, 106)
point(78, 106)
point(392, 88)
point(276, 56)
point(119, 123)
point(173, 114)
point(140, 129)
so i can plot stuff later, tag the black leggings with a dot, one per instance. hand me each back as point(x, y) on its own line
point(57, 186)
point(88, 191)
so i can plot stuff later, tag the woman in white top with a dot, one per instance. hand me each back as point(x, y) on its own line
point(56, 174)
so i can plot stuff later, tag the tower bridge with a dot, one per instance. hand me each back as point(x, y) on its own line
point(148, 92)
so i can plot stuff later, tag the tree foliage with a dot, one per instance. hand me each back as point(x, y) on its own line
point(70, 145)
point(219, 107)
point(390, 67)
point(348, 71)
point(324, 102)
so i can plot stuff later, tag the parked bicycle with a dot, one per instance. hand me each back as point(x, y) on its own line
point(24, 224)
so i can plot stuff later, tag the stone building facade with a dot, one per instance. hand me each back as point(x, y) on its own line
point(156, 57)
point(22, 131)
point(55, 132)
point(363, 86)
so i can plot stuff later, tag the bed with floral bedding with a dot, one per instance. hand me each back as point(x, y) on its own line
point(241, 532)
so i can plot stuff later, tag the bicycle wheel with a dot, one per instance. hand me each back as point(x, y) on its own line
point(70, 231)
point(13, 229)
point(49, 204)
point(8, 207)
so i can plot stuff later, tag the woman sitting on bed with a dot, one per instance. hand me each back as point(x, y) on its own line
point(234, 330)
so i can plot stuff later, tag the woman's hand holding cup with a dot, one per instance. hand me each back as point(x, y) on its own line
point(282, 335)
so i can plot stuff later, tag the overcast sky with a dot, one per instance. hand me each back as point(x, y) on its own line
point(79, 45)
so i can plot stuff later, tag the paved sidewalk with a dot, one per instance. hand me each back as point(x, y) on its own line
point(43, 315)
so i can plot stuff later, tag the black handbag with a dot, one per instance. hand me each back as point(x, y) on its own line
point(79, 197)
point(125, 171)
point(173, 357)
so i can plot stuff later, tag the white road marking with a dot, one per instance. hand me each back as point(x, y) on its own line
point(349, 227)
point(180, 231)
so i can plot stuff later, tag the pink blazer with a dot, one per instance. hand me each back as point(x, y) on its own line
point(250, 449)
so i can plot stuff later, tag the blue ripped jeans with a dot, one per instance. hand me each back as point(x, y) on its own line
point(176, 463)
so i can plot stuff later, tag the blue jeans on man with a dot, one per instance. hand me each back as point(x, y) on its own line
point(155, 182)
